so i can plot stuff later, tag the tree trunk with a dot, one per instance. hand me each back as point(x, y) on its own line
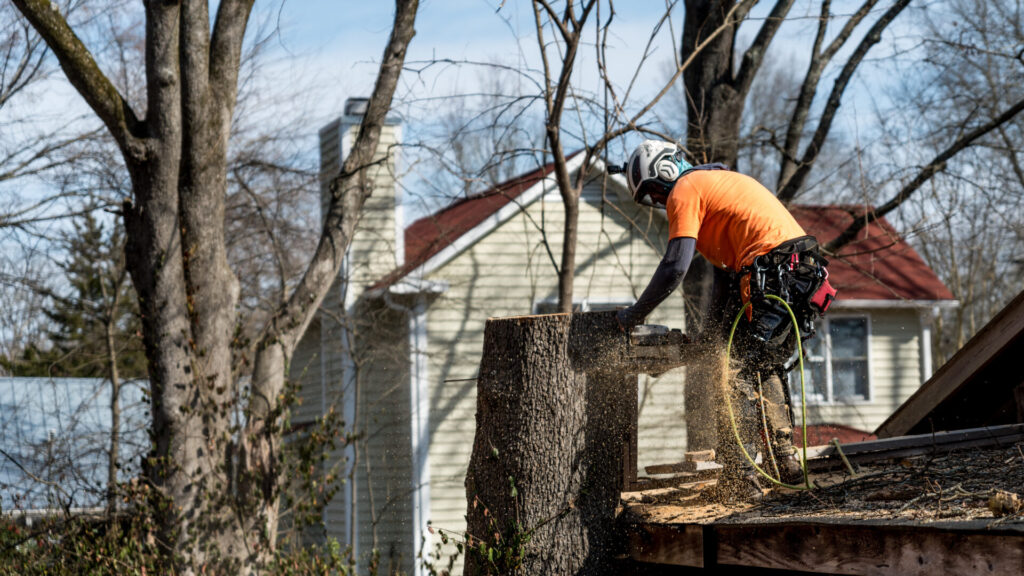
point(570, 232)
point(714, 106)
point(215, 489)
point(714, 112)
point(115, 408)
point(546, 470)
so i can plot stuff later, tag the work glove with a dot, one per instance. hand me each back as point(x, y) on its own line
point(626, 319)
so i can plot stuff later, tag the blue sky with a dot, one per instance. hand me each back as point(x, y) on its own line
point(323, 51)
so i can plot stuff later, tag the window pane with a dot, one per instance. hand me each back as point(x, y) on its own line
point(814, 380)
point(815, 347)
point(849, 337)
point(850, 379)
point(605, 306)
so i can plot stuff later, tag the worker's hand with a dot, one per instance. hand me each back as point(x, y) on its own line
point(625, 319)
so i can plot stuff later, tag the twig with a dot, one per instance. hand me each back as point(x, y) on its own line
point(911, 502)
point(835, 442)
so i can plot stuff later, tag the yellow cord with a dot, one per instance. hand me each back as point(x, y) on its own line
point(803, 400)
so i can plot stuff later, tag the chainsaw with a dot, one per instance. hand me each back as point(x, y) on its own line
point(654, 349)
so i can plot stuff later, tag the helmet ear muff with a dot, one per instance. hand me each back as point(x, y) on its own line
point(667, 168)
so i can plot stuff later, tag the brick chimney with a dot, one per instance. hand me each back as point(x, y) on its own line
point(378, 246)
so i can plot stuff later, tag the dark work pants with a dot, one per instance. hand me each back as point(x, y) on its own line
point(755, 380)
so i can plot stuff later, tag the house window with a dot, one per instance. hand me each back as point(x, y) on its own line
point(835, 362)
point(551, 306)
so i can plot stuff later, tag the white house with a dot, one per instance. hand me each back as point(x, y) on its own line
point(397, 346)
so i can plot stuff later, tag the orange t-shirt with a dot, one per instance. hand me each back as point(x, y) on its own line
point(733, 217)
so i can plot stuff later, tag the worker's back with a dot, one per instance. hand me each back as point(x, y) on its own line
point(733, 217)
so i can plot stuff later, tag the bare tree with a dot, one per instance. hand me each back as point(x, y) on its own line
point(471, 141)
point(558, 57)
point(965, 221)
point(221, 487)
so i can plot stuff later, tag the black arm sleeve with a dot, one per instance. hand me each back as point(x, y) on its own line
point(723, 292)
point(666, 278)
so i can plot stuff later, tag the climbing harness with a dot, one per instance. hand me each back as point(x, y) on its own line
point(796, 271)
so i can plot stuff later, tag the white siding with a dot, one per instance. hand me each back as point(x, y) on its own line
point(364, 368)
point(305, 370)
point(894, 370)
point(504, 274)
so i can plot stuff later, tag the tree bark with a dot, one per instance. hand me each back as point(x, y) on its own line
point(716, 93)
point(215, 489)
point(546, 469)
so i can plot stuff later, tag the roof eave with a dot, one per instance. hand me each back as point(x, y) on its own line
point(502, 215)
point(873, 303)
point(409, 286)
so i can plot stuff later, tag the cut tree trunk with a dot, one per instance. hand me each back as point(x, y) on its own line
point(546, 470)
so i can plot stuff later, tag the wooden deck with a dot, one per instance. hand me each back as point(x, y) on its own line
point(927, 511)
point(832, 545)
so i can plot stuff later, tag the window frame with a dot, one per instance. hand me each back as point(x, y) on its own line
point(824, 331)
point(586, 304)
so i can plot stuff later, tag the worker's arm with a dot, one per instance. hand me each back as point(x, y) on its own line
point(666, 278)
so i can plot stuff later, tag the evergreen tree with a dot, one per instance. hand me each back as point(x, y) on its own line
point(97, 300)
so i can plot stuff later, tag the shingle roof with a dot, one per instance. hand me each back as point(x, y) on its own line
point(879, 265)
point(429, 235)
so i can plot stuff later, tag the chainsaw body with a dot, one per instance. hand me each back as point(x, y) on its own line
point(654, 349)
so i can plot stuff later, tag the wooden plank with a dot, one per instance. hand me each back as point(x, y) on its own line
point(673, 544)
point(836, 462)
point(1018, 395)
point(698, 466)
point(868, 549)
point(699, 456)
point(992, 340)
point(920, 444)
point(685, 483)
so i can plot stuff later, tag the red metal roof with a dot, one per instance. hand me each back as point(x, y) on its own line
point(879, 265)
point(822, 434)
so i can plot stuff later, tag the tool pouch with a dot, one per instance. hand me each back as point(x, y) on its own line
point(796, 271)
point(824, 295)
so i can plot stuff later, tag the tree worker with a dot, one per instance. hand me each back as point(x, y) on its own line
point(757, 249)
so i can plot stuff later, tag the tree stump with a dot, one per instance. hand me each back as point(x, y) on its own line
point(547, 465)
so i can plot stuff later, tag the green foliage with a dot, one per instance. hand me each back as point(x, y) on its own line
point(311, 480)
point(437, 562)
point(98, 292)
point(126, 545)
point(81, 544)
point(501, 550)
point(328, 560)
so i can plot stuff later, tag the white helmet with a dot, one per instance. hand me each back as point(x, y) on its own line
point(654, 167)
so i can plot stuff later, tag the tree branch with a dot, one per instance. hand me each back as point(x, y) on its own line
point(809, 89)
point(566, 35)
point(225, 57)
point(85, 75)
point(874, 35)
point(935, 166)
point(29, 65)
point(631, 124)
point(348, 194)
point(754, 55)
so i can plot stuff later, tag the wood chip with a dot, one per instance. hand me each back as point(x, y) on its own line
point(699, 456)
point(1004, 503)
point(892, 493)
